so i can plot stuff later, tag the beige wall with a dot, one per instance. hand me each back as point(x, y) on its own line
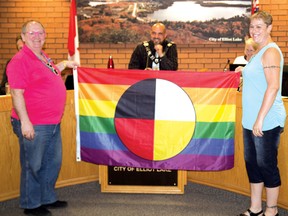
point(54, 14)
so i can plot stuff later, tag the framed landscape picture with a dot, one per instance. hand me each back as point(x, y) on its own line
point(187, 22)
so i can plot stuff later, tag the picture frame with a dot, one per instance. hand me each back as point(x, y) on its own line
point(187, 22)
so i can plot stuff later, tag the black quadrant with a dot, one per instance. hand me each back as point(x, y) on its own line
point(138, 101)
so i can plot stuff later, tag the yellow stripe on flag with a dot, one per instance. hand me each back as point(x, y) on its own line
point(215, 113)
point(204, 113)
point(105, 109)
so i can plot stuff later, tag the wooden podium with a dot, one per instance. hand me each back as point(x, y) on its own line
point(128, 186)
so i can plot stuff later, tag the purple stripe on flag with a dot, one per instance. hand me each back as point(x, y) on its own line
point(181, 162)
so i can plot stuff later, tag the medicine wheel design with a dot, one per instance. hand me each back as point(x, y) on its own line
point(155, 119)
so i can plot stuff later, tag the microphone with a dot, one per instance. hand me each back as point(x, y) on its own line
point(225, 68)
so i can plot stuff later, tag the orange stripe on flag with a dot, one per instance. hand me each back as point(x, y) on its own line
point(101, 91)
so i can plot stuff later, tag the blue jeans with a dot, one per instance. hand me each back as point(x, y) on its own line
point(40, 161)
point(260, 155)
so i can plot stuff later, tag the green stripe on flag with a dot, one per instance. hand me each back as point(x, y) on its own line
point(215, 130)
point(97, 124)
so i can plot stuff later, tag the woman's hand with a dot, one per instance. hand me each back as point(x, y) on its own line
point(257, 129)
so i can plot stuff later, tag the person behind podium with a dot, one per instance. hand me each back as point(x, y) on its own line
point(249, 49)
point(38, 95)
point(19, 45)
point(263, 116)
point(156, 54)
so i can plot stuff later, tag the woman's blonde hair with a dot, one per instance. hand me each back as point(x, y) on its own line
point(251, 42)
point(265, 16)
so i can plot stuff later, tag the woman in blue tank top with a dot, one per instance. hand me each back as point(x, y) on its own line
point(263, 116)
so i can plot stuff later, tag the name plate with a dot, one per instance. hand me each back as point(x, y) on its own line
point(118, 175)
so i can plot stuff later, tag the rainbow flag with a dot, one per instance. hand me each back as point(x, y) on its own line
point(156, 119)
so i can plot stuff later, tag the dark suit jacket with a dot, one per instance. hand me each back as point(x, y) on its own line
point(140, 59)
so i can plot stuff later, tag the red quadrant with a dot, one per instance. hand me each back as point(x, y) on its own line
point(137, 135)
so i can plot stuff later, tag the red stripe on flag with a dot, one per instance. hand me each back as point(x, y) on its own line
point(182, 79)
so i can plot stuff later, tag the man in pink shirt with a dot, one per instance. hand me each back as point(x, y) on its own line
point(38, 95)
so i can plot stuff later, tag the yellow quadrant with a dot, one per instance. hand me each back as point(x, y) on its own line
point(171, 137)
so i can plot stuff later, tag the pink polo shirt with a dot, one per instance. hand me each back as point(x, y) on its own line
point(44, 91)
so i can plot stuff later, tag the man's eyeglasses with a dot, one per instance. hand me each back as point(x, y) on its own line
point(33, 34)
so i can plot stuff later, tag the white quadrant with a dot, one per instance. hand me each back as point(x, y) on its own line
point(172, 102)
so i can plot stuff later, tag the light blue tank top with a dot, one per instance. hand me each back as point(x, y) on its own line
point(254, 87)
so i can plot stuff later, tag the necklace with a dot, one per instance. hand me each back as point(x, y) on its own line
point(47, 62)
point(149, 53)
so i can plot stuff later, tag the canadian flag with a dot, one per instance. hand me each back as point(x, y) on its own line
point(255, 6)
point(73, 39)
